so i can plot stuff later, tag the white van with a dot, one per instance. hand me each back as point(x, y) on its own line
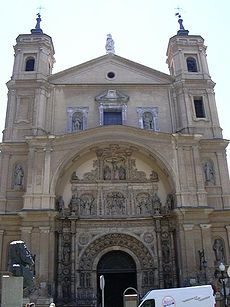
point(200, 296)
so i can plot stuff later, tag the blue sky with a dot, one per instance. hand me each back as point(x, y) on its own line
point(140, 28)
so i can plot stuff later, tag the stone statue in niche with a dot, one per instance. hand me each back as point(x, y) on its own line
point(66, 291)
point(88, 280)
point(148, 121)
point(82, 280)
point(77, 121)
point(18, 176)
point(60, 205)
point(170, 202)
point(156, 204)
point(107, 173)
point(209, 174)
point(154, 176)
point(66, 253)
point(165, 253)
point(21, 263)
point(74, 205)
point(122, 173)
point(218, 250)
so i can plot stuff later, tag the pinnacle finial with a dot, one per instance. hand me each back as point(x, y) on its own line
point(37, 29)
point(109, 44)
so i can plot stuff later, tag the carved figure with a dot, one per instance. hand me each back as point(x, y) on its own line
point(66, 254)
point(74, 205)
point(154, 176)
point(74, 176)
point(77, 122)
point(156, 204)
point(218, 250)
point(20, 263)
point(87, 204)
point(107, 173)
point(60, 205)
point(209, 172)
point(109, 44)
point(18, 175)
point(38, 19)
point(122, 173)
point(148, 121)
point(66, 288)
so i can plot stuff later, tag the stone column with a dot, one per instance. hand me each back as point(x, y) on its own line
point(44, 253)
point(26, 236)
point(190, 259)
point(223, 171)
point(201, 193)
point(159, 250)
point(73, 257)
point(207, 247)
point(1, 248)
point(228, 245)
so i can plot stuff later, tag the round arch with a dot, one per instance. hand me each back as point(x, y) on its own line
point(125, 137)
point(116, 241)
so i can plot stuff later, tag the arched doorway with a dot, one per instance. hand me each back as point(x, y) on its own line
point(119, 270)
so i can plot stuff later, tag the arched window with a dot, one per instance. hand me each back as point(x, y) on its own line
point(30, 62)
point(191, 64)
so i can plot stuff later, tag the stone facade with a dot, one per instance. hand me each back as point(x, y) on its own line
point(111, 156)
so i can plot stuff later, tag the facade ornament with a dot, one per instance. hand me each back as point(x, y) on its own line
point(218, 248)
point(109, 44)
point(37, 29)
point(18, 176)
point(182, 30)
point(209, 173)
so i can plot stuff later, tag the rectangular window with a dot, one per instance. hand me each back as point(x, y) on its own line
point(112, 118)
point(199, 107)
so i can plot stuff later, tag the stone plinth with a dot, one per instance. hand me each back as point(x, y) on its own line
point(12, 291)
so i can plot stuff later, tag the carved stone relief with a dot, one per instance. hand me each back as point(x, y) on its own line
point(117, 187)
point(115, 163)
point(116, 239)
point(115, 204)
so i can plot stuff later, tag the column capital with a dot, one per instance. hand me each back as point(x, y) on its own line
point(188, 227)
point(45, 229)
point(26, 229)
point(205, 226)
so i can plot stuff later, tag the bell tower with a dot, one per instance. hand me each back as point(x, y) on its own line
point(28, 88)
point(194, 98)
point(34, 54)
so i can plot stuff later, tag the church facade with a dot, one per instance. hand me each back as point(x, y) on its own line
point(113, 168)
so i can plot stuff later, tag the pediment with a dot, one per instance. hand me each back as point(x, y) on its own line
point(110, 69)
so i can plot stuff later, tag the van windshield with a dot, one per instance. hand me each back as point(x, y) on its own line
point(148, 303)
